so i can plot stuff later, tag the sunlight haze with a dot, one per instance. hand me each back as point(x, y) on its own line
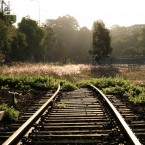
point(112, 12)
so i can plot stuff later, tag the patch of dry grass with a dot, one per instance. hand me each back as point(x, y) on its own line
point(75, 72)
point(137, 77)
point(40, 69)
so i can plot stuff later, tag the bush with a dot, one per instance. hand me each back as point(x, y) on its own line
point(118, 86)
point(67, 86)
point(138, 99)
point(10, 115)
point(40, 83)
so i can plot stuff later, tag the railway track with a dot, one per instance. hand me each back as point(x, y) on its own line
point(80, 117)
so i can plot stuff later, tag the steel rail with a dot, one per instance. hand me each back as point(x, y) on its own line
point(125, 127)
point(15, 137)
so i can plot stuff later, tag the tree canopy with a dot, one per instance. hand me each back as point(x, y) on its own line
point(49, 43)
point(128, 41)
point(34, 36)
point(63, 40)
point(101, 41)
point(69, 40)
point(7, 32)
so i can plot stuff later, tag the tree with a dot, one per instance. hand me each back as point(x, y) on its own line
point(34, 38)
point(123, 38)
point(83, 45)
point(141, 37)
point(2, 58)
point(130, 51)
point(101, 41)
point(66, 30)
point(48, 45)
point(7, 32)
point(18, 47)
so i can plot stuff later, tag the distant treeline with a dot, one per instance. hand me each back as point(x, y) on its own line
point(128, 41)
point(62, 40)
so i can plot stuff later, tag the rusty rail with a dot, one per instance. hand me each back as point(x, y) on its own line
point(15, 138)
point(125, 127)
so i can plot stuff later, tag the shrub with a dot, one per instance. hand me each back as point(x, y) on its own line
point(138, 99)
point(118, 86)
point(28, 82)
point(67, 86)
point(10, 114)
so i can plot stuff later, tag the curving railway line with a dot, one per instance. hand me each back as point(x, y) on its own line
point(83, 116)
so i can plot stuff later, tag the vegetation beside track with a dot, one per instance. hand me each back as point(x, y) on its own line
point(39, 83)
point(10, 114)
point(18, 81)
point(118, 86)
point(25, 90)
point(112, 85)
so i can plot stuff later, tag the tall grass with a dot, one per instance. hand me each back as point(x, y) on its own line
point(44, 69)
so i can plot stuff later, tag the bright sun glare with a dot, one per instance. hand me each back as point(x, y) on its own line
point(112, 12)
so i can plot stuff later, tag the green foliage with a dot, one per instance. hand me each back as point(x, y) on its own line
point(41, 83)
point(61, 105)
point(48, 43)
point(130, 51)
point(34, 37)
point(6, 87)
point(108, 82)
point(28, 82)
point(141, 37)
point(138, 99)
point(7, 32)
point(128, 41)
point(17, 52)
point(119, 87)
point(116, 86)
point(10, 114)
point(67, 86)
point(72, 43)
point(101, 41)
point(83, 83)
point(2, 58)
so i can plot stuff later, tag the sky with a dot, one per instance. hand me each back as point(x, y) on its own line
point(111, 12)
